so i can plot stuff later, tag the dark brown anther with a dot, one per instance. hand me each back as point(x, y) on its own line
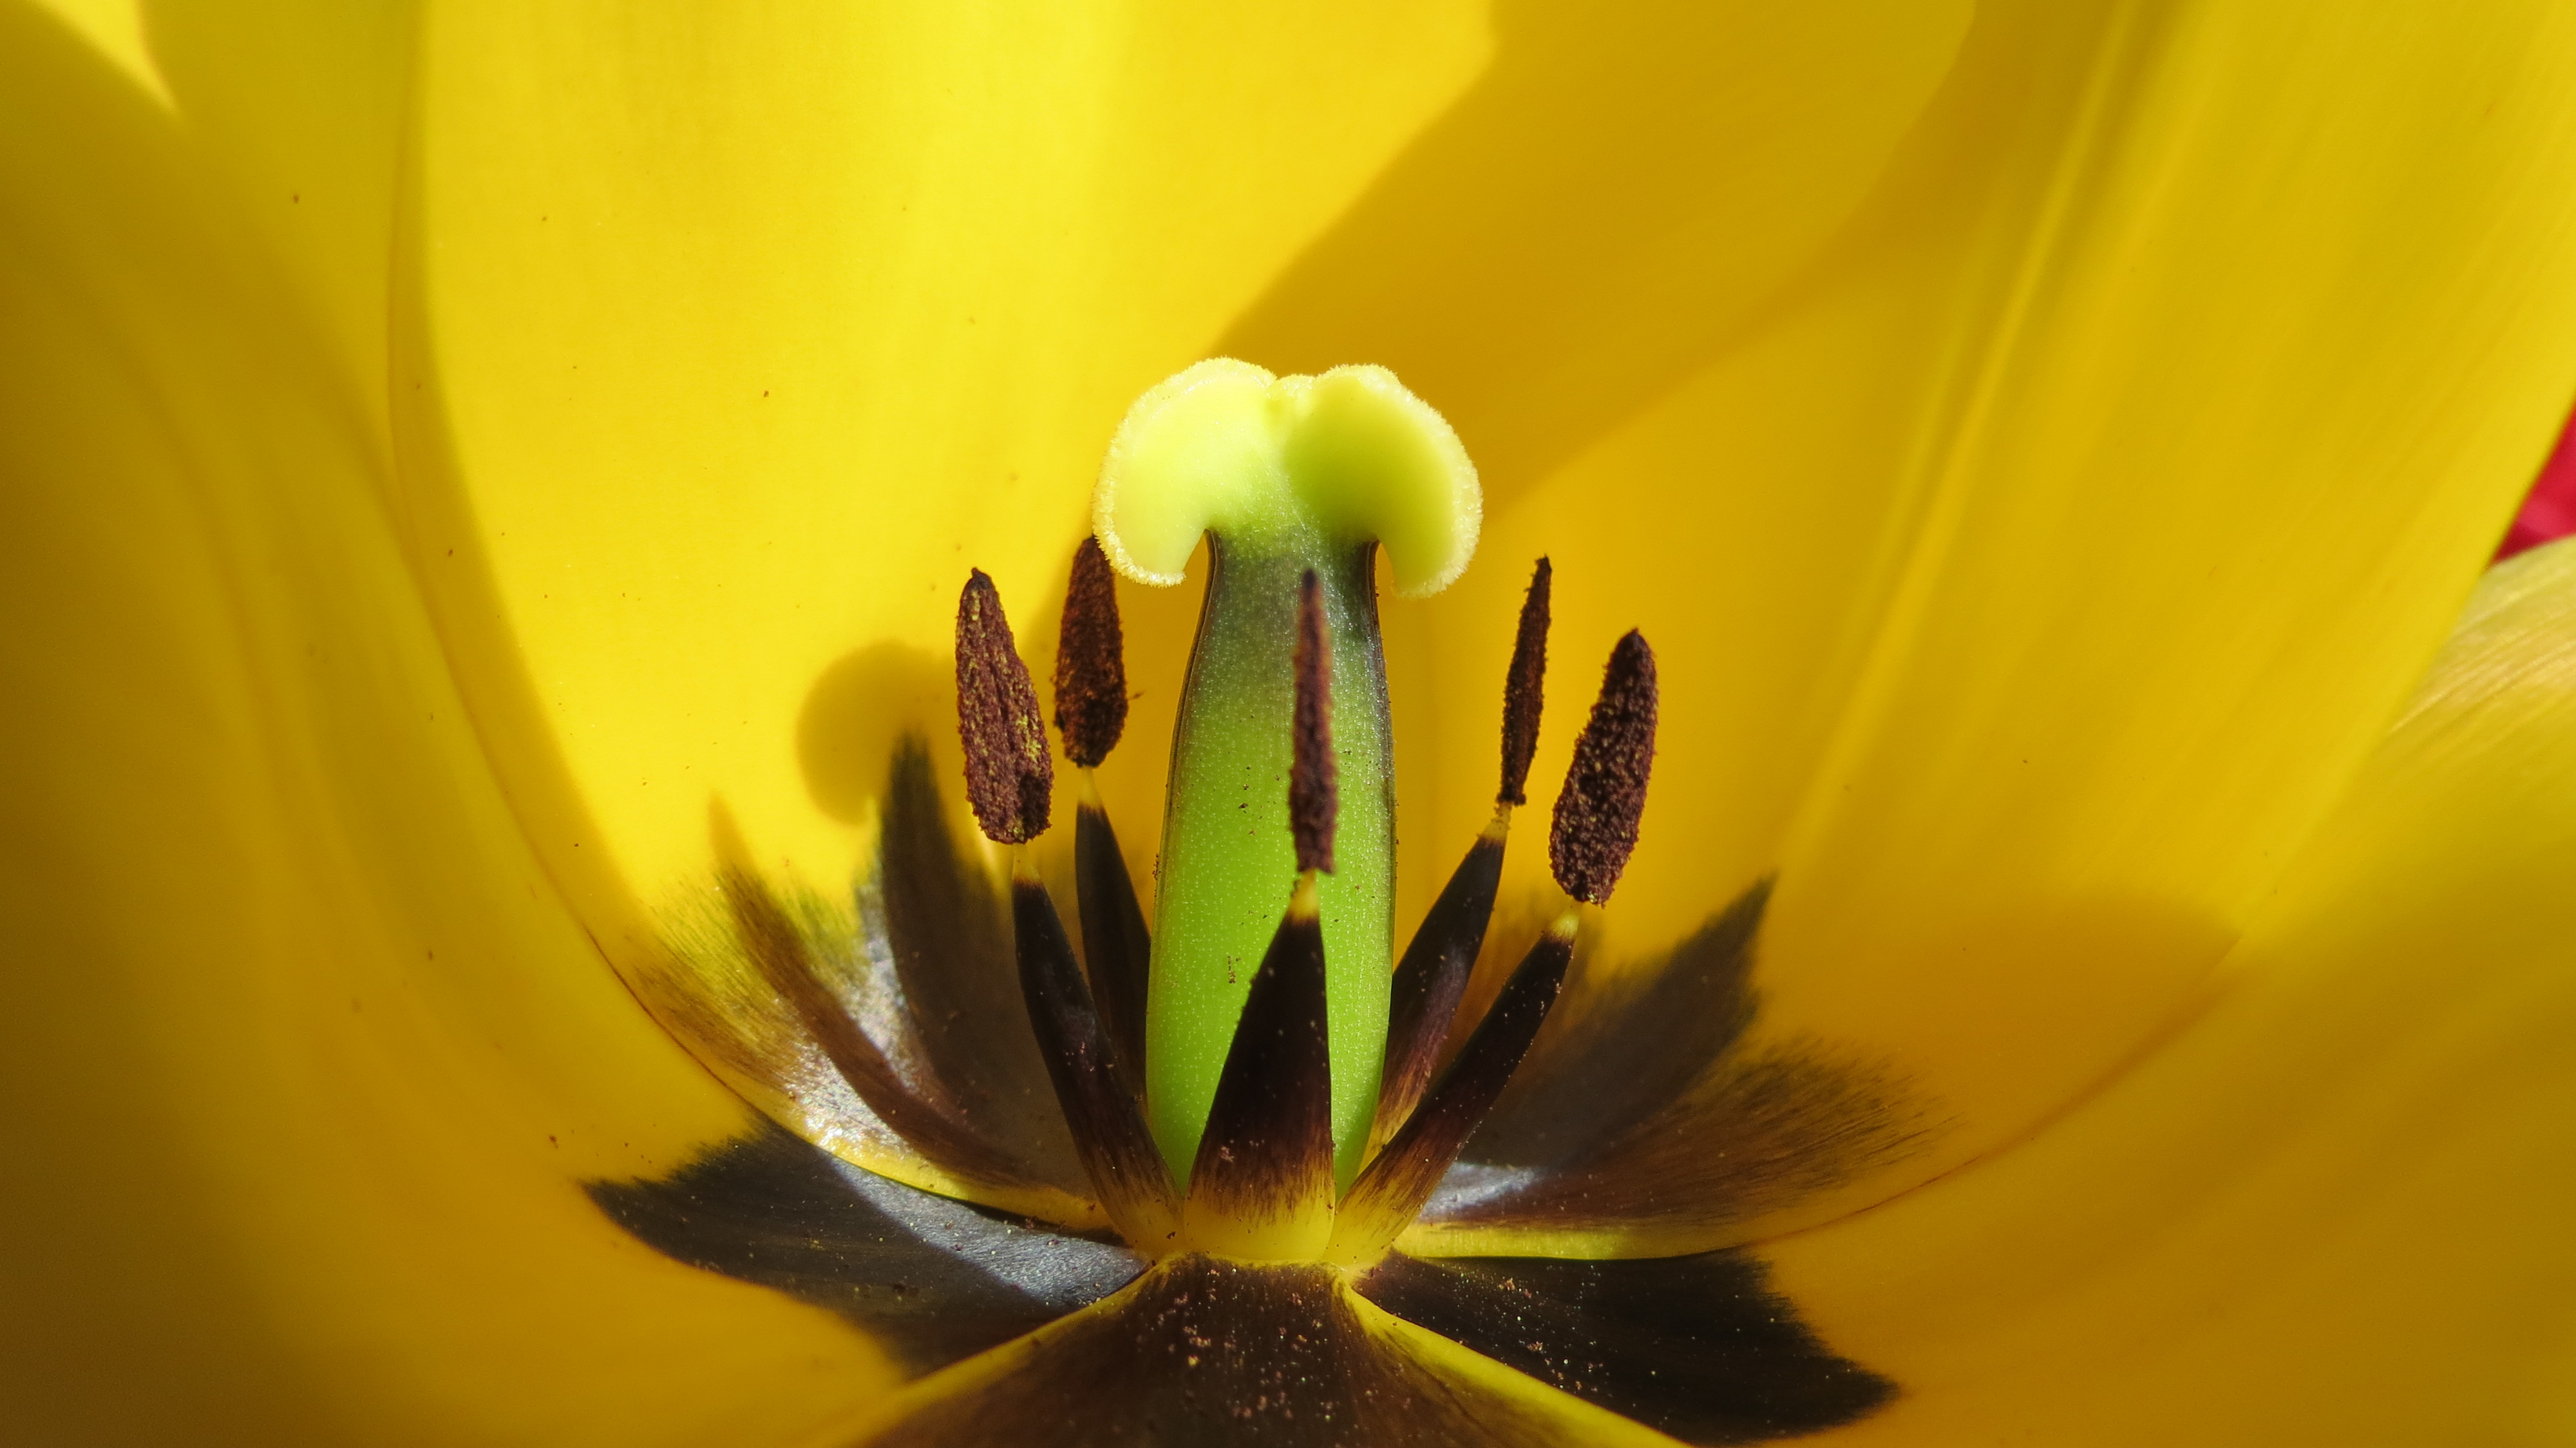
point(1009, 775)
point(1523, 688)
point(1313, 775)
point(1090, 661)
point(1605, 791)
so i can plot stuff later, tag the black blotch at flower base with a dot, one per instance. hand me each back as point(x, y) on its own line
point(1640, 1109)
point(932, 1278)
point(1201, 1350)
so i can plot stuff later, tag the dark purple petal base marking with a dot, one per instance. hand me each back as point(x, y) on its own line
point(936, 1280)
point(1209, 1352)
point(1694, 1346)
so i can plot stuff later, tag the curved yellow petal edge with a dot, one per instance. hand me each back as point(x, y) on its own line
point(1225, 446)
point(307, 1053)
point(2333, 1210)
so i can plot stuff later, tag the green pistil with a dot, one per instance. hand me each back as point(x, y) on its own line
point(1280, 475)
point(1228, 860)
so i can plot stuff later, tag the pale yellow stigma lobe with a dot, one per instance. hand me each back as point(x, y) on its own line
point(1226, 447)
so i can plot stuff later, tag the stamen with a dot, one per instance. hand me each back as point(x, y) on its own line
point(1596, 828)
point(1100, 1105)
point(1391, 1190)
point(1115, 943)
point(1262, 1183)
point(1090, 661)
point(1605, 791)
point(1432, 977)
point(1313, 775)
point(1009, 776)
point(1523, 687)
point(1091, 713)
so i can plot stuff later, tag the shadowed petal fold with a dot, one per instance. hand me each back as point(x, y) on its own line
point(2333, 1209)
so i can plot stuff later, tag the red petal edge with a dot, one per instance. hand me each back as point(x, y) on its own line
point(2549, 510)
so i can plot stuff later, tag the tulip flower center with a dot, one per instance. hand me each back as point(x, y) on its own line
point(1256, 1095)
point(1253, 1078)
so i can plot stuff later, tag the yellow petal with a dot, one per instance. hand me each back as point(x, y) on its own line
point(2334, 1210)
point(2033, 579)
point(114, 29)
point(298, 108)
point(758, 335)
point(306, 1057)
point(1612, 204)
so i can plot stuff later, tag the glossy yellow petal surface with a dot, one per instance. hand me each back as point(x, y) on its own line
point(2030, 581)
point(735, 416)
point(2334, 1210)
point(305, 1056)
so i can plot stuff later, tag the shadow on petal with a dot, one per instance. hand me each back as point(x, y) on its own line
point(856, 714)
point(1620, 191)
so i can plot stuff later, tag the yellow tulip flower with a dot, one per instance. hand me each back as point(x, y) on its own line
point(2051, 447)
